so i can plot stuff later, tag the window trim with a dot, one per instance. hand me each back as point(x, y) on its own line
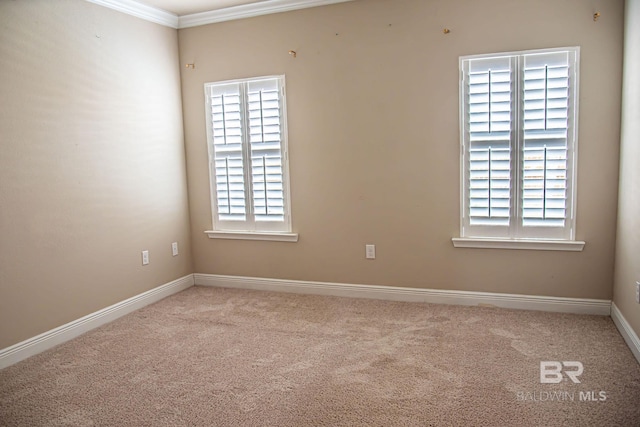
point(511, 237)
point(529, 244)
point(253, 235)
point(249, 227)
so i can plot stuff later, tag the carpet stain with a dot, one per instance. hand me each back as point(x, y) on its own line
point(524, 348)
point(503, 333)
point(268, 361)
point(299, 366)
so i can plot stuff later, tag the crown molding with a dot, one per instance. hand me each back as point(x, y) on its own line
point(168, 19)
point(139, 10)
point(249, 11)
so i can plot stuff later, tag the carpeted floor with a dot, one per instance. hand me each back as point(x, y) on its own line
point(222, 357)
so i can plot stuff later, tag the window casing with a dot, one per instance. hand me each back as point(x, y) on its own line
point(518, 114)
point(248, 161)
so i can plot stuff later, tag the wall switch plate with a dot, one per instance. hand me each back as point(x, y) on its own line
point(174, 248)
point(638, 292)
point(145, 257)
point(370, 251)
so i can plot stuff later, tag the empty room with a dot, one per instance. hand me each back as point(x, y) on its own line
point(319, 212)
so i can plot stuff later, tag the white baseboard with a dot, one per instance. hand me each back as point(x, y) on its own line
point(49, 339)
point(626, 331)
point(526, 302)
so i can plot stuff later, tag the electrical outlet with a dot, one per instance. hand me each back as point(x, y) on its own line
point(145, 257)
point(370, 251)
point(174, 248)
point(638, 292)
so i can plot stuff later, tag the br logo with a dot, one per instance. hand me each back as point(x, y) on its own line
point(551, 372)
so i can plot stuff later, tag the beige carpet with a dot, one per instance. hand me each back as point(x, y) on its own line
point(220, 357)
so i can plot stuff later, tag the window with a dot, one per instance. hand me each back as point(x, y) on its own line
point(518, 129)
point(246, 132)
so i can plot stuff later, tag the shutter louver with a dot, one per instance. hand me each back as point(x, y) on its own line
point(265, 131)
point(226, 117)
point(489, 101)
point(545, 104)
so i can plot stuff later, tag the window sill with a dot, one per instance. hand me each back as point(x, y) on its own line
point(536, 245)
point(250, 235)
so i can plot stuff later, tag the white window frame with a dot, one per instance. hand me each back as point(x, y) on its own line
point(515, 235)
point(249, 228)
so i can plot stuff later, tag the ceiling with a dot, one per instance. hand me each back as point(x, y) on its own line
point(188, 7)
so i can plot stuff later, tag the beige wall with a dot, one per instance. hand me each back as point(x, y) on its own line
point(374, 140)
point(627, 270)
point(92, 167)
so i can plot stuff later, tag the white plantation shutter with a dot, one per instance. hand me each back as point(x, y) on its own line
point(547, 106)
point(266, 154)
point(518, 134)
point(247, 141)
point(226, 119)
point(489, 88)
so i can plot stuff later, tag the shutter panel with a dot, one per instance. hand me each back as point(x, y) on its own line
point(226, 119)
point(265, 137)
point(546, 111)
point(489, 118)
point(246, 132)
